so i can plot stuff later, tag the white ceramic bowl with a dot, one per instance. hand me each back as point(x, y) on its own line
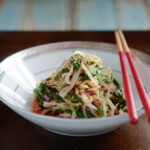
point(21, 71)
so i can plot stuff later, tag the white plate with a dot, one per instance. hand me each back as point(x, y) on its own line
point(21, 71)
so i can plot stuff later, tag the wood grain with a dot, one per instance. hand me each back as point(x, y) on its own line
point(95, 15)
point(11, 12)
point(17, 133)
point(66, 15)
point(132, 14)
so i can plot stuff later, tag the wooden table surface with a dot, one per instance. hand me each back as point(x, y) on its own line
point(69, 15)
point(16, 133)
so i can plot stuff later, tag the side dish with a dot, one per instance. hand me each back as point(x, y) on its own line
point(80, 88)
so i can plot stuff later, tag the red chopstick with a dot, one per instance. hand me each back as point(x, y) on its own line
point(128, 91)
point(138, 82)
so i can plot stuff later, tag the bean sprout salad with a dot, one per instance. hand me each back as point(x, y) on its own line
point(80, 88)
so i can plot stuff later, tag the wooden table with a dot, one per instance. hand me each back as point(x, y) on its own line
point(69, 15)
point(16, 133)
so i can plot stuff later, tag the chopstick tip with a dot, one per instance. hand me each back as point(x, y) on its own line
point(134, 121)
point(148, 119)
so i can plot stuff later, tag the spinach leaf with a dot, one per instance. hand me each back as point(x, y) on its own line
point(65, 70)
point(73, 96)
point(78, 99)
point(59, 110)
point(41, 104)
point(76, 65)
point(59, 99)
point(117, 83)
point(84, 76)
point(89, 114)
point(69, 96)
point(68, 111)
point(52, 93)
point(80, 113)
point(42, 87)
point(122, 102)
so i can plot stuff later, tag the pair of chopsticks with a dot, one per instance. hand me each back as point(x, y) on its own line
point(122, 45)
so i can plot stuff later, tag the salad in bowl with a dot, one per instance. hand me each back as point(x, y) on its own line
point(80, 88)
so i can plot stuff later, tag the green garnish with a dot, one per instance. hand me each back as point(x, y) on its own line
point(76, 65)
point(68, 111)
point(116, 110)
point(101, 111)
point(37, 94)
point(74, 50)
point(59, 110)
point(42, 87)
point(105, 99)
point(84, 76)
point(87, 62)
point(121, 102)
point(56, 78)
point(52, 93)
point(78, 99)
point(80, 113)
point(119, 94)
point(92, 70)
point(104, 68)
point(106, 81)
point(89, 114)
point(41, 104)
point(65, 70)
point(117, 83)
point(103, 75)
point(71, 96)
point(59, 99)
point(112, 76)
point(48, 79)
point(101, 82)
point(72, 107)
